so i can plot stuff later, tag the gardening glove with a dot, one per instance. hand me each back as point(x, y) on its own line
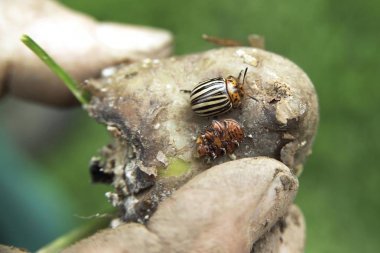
point(80, 44)
point(230, 207)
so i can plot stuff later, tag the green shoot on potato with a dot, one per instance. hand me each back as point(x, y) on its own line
point(81, 95)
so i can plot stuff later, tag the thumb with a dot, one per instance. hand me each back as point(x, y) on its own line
point(226, 208)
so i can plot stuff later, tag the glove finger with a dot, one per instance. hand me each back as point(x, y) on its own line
point(226, 208)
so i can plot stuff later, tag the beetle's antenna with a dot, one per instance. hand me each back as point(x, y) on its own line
point(238, 78)
point(245, 73)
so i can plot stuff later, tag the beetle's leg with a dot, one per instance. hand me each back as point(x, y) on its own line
point(236, 142)
point(253, 98)
point(238, 78)
point(221, 41)
point(186, 91)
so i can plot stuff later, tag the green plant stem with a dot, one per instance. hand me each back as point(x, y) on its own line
point(73, 86)
point(75, 235)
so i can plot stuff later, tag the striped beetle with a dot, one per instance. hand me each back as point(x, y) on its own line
point(217, 95)
point(220, 138)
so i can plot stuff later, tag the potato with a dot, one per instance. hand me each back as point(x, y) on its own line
point(145, 108)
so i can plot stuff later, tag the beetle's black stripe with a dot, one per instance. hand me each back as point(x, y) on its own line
point(202, 88)
point(218, 97)
point(207, 87)
point(205, 106)
point(211, 106)
point(208, 83)
point(209, 100)
point(217, 111)
point(209, 109)
point(214, 110)
point(202, 106)
point(209, 95)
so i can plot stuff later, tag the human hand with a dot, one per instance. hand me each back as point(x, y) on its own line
point(238, 206)
point(211, 212)
point(80, 44)
point(227, 208)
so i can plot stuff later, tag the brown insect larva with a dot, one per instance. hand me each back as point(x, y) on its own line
point(220, 138)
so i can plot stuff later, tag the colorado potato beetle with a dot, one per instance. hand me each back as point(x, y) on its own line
point(220, 138)
point(217, 95)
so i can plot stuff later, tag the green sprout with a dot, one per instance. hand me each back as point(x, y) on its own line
point(80, 94)
point(75, 235)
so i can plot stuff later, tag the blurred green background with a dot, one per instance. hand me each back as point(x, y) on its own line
point(335, 42)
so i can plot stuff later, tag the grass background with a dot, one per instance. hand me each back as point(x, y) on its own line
point(336, 43)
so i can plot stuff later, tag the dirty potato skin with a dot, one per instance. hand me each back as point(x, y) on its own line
point(143, 106)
